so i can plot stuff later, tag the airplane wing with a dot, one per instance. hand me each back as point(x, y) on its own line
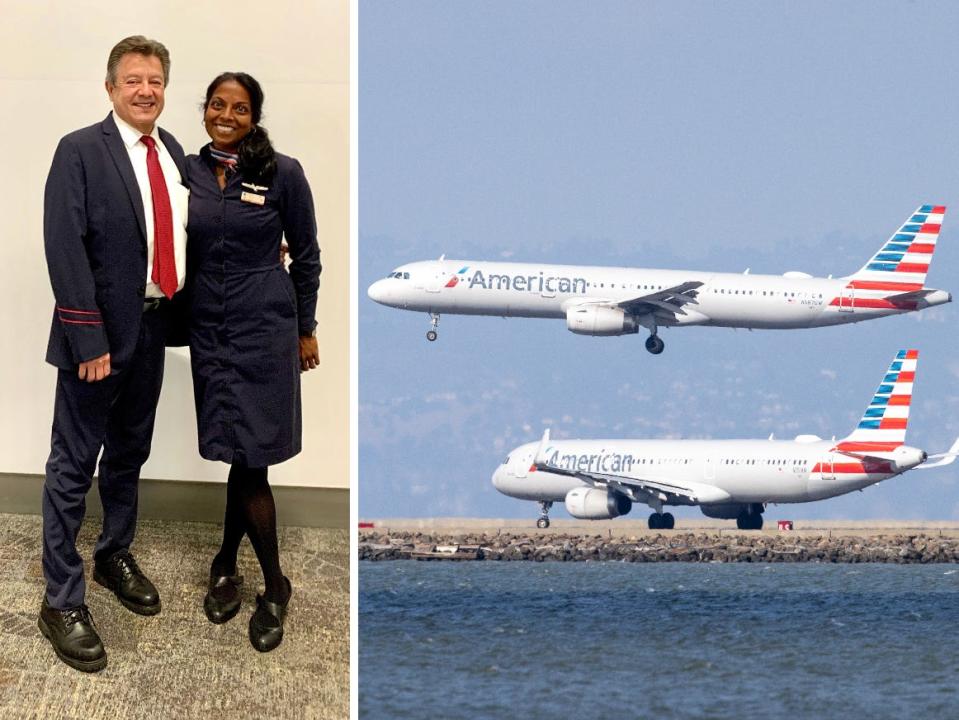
point(865, 457)
point(669, 300)
point(665, 489)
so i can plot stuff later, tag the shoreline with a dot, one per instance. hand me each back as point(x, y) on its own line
point(899, 542)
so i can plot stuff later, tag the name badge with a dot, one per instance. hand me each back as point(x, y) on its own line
point(251, 198)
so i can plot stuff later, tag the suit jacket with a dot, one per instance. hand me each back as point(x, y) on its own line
point(94, 234)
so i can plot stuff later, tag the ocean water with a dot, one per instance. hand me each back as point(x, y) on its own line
point(668, 640)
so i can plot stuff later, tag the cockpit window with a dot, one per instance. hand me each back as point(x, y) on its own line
point(506, 461)
point(399, 275)
point(406, 276)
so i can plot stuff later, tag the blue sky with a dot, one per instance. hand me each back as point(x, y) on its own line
point(706, 136)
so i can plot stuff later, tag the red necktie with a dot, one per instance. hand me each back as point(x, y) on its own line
point(164, 263)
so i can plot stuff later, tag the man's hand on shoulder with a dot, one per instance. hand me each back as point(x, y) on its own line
point(95, 369)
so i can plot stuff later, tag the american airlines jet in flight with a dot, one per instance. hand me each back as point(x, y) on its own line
point(620, 301)
point(601, 479)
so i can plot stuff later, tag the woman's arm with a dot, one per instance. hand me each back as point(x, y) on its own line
point(299, 227)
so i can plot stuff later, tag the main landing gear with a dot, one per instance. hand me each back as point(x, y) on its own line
point(543, 521)
point(654, 344)
point(751, 518)
point(434, 321)
point(662, 521)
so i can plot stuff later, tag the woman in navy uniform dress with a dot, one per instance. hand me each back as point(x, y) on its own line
point(252, 331)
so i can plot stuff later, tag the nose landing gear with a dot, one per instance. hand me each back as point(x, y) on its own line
point(434, 321)
point(543, 521)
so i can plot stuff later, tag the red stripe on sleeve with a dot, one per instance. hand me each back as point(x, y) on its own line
point(939, 209)
point(912, 268)
point(926, 248)
point(907, 376)
point(79, 312)
point(932, 228)
point(901, 400)
point(912, 354)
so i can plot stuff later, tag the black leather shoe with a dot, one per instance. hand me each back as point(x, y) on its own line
point(266, 625)
point(222, 601)
point(73, 636)
point(120, 574)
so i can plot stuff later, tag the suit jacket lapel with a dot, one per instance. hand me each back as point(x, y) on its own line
point(178, 158)
point(121, 158)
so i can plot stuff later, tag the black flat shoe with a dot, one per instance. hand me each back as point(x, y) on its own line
point(120, 573)
point(266, 625)
point(222, 601)
point(73, 636)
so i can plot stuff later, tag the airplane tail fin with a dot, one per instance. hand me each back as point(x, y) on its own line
point(883, 425)
point(900, 266)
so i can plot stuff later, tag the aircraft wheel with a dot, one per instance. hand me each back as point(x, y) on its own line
point(431, 336)
point(757, 522)
point(655, 521)
point(655, 345)
point(542, 523)
point(669, 522)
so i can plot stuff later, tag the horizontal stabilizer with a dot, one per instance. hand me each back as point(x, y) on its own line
point(909, 296)
point(941, 459)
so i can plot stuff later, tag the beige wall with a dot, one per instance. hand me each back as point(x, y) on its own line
point(52, 65)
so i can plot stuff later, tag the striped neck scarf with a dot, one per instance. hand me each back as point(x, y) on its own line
point(228, 160)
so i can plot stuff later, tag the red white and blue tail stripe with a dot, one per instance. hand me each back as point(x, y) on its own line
point(883, 425)
point(899, 268)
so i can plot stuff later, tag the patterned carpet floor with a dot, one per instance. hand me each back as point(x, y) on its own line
point(177, 664)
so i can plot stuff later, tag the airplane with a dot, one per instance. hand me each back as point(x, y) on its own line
point(601, 479)
point(604, 301)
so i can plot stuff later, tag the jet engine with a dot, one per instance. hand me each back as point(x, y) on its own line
point(726, 511)
point(600, 320)
point(596, 504)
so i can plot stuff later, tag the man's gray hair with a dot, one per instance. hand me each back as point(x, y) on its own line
point(142, 46)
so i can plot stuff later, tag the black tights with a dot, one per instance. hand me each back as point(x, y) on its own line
point(250, 511)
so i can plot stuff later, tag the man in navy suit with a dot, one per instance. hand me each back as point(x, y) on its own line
point(114, 234)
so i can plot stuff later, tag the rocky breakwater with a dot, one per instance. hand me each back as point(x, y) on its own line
point(666, 547)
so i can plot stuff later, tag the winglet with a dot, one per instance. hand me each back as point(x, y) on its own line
point(539, 459)
point(941, 459)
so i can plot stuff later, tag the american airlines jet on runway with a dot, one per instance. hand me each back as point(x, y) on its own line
point(601, 479)
point(618, 301)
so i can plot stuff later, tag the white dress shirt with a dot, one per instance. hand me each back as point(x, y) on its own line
point(175, 189)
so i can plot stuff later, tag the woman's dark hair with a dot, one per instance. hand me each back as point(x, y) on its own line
point(257, 157)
